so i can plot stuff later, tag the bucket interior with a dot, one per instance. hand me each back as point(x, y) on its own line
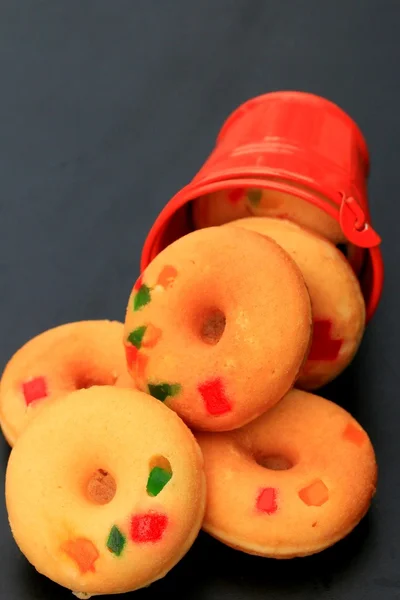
point(176, 221)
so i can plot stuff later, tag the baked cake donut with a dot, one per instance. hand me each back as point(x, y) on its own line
point(105, 491)
point(291, 483)
point(336, 299)
point(218, 326)
point(58, 361)
point(228, 205)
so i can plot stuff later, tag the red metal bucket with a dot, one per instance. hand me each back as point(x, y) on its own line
point(296, 143)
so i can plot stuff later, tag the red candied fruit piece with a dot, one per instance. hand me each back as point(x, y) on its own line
point(323, 347)
point(35, 389)
point(148, 527)
point(141, 365)
point(266, 501)
point(236, 195)
point(214, 396)
point(131, 353)
point(354, 434)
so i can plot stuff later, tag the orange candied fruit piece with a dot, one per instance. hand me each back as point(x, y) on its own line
point(167, 276)
point(151, 336)
point(315, 494)
point(83, 552)
point(354, 434)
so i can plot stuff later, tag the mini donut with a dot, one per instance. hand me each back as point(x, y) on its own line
point(218, 326)
point(105, 491)
point(58, 361)
point(228, 205)
point(336, 299)
point(291, 483)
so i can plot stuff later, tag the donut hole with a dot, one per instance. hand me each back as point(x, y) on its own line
point(274, 462)
point(213, 323)
point(87, 380)
point(85, 383)
point(101, 487)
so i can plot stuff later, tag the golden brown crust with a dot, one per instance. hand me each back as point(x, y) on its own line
point(65, 358)
point(118, 431)
point(306, 508)
point(336, 298)
point(125, 381)
point(261, 341)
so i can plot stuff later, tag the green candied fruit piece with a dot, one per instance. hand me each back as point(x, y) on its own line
point(158, 479)
point(254, 196)
point(162, 391)
point(136, 336)
point(142, 297)
point(116, 541)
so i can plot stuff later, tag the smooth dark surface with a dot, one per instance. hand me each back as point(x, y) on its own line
point(107, 108)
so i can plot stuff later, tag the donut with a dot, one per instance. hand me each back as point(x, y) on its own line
point(336, 299)
point(224, 206)
point(105, 491)
point(218, 327)
point(291, 483)
point(58, 361)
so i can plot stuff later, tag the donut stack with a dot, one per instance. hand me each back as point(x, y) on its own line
point(120, 457)
point(105, 486)
point(220, 327)
point(198, 411)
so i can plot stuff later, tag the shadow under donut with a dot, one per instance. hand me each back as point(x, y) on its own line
point(210, 569)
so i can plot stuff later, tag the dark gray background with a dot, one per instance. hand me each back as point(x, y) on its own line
point(107, 108)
